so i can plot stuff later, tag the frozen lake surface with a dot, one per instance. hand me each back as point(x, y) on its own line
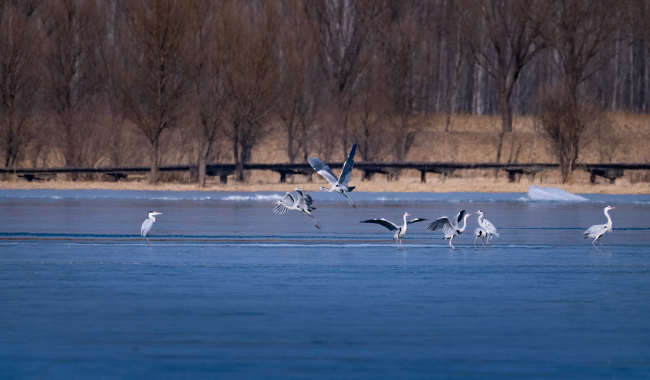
point(230, 290)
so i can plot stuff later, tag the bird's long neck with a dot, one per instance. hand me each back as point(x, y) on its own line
point(153, 218)
point(480, 220)
point(609, 221)
point(464, 225)
point(404, 227)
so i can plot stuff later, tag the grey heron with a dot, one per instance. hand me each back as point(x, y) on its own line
point(148, 223)
point(340, 184)
point(450, 227)
point(399, 230)
point(597, 231)
point(479, 233)
point(487, 226)
point(303, 203)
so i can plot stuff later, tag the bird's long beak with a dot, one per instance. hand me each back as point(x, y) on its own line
point(611, 208)
point(477, 212)
point(157, 213)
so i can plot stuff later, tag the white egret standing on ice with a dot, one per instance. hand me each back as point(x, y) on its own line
point(597, 231)
point(487, 226)
point(147, 224)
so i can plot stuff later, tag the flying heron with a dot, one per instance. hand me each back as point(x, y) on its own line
point(302, 203)
point(340, 184)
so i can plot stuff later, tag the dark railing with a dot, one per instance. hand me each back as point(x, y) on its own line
point(390, 169)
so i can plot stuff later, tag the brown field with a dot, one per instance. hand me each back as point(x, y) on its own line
point(472, 139)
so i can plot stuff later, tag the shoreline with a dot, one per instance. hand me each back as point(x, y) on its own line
point(451, 185)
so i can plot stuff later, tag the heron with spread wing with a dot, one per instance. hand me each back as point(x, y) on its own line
point(340, 184)
point(399, 231)
point(450, 226)
point(148, 223)
point(303, 203)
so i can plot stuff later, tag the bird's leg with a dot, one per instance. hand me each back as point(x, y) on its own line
point(350, 201)
point(314, 221)
point(483, 240)
point(451, 245)
point(475, 243)
point(148, 242)
point(488, 240)
point(598, 241)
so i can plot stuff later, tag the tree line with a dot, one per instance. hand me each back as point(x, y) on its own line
point(90, 81)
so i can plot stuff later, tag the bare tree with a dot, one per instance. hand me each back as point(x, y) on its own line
point(210, 91)
point(71, 63)
point(121, 148)
point(251, 71)
point(155, 80)
point(300, 98)
point(403, 40)
point(503, 37)
point(568, 117)
point(19, 78)
point(372, 115)
point(568, 125)
point(344, 28)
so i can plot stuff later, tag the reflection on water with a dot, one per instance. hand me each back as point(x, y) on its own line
point(230, 290)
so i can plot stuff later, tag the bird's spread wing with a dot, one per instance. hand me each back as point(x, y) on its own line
point(280, 209)
point(306, 199)
point(287, 201)
point(346, 173)
point(454, 222)
point(146, 226)
point(438, 224)
point(323, 170)
point(489, 227)
point(442, 224)
point(390, 225)
point(416, 220)
point(310, 202)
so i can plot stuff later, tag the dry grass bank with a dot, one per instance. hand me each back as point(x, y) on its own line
point(409, 182)
point(471, 139)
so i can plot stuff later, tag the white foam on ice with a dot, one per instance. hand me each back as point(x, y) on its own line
point(537, 193)
point(254, 197)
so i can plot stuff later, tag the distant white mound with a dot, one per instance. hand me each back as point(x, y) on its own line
point(536, 193)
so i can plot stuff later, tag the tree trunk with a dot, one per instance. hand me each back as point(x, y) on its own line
point(153, 172)
point(201, 171)
point(505, 110)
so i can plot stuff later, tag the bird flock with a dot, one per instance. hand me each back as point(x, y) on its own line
point(304, 203)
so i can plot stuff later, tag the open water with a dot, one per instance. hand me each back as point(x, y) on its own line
point(231, 290)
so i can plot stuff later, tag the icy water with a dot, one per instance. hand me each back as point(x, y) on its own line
point(230, 290)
